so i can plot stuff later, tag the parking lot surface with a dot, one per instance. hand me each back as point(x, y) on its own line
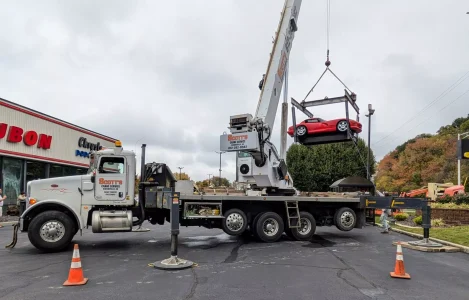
point(334, 265)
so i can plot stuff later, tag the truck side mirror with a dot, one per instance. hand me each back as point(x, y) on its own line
point(92, 178)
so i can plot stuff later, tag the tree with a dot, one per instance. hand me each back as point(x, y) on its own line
point(216, 181)
point(183, 176)
point(423, 159)
point(317, 167)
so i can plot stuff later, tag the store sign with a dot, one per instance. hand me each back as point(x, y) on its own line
point(15, 134)
point(83, 143)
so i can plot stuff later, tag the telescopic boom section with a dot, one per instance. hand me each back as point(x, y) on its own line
point(250, 133)
point(273, 81)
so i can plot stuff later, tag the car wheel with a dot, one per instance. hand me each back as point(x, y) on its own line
point(342, 126)
point(301, 130)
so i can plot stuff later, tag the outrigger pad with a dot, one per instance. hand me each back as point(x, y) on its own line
point(328, 138)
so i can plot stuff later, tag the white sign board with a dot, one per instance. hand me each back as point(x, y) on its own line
point(239, 141)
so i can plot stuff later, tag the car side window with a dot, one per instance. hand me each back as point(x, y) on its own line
point(311, 121)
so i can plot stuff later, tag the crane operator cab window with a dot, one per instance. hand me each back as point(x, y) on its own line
point(111, 183)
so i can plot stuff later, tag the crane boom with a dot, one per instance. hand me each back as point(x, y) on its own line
point(272, 85)
point(258, 162)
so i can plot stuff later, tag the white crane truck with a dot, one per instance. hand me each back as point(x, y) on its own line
point(57, 208)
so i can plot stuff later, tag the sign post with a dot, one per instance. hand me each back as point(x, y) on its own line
point(174, 263)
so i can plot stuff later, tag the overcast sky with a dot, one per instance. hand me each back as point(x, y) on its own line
point(170, 73)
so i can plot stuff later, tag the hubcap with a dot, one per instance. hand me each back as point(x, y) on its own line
point(52, 231)
point(347, 219)
point(301, 130)
point(305, 227)
point(342, 125)
point(234, 222)
point(270, 227)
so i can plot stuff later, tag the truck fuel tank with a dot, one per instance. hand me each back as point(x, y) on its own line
point(111, 221)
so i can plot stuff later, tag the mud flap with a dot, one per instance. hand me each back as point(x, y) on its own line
point(15, 236)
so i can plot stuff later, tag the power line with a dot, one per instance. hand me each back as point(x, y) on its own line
point(454, 100)
point(449, 89)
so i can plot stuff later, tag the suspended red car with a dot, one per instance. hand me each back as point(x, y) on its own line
point(315, 126)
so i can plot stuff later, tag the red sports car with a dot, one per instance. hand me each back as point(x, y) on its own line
point(317, 126)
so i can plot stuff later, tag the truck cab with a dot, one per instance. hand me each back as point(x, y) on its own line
point(57, 208)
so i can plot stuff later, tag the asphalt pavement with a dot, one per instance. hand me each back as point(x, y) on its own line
point(334, 265)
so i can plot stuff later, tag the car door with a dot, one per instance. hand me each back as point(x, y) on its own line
point(312, 125)
point(110, 178)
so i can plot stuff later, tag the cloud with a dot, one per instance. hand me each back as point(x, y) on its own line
point(170, 74)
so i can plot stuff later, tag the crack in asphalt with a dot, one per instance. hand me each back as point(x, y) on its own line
point(234, 253)
point(47, 265)
point(349, 267)
point(195, 283)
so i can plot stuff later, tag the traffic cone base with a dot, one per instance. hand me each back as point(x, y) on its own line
point(399, 269)
point(75, 276)
point(405, 276)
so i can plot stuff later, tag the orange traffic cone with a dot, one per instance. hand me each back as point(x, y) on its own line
point(399, 270)
point(75, 276)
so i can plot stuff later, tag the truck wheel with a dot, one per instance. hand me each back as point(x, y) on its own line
point(307, 227)
point(254, 225)
point(269, 227)
point(345, 219)
point(51, 231)
point(235, 222)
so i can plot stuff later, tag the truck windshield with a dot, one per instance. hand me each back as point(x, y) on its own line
point(92, 164)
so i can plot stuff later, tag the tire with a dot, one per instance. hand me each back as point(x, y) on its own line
point(308, 227)
point(342, 126)
point(345, 219)
point(254, 225)
point(56, 219)
point(301, 131)
point(276, 227)
point(235, 222)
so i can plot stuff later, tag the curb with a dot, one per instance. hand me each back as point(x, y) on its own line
point(420, 236)
point(8, 223)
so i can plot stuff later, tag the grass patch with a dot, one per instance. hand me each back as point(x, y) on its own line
point(450, 205)
point(455, 234)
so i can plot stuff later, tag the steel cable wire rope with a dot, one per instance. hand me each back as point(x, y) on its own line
point(442, 95)
point(446, 106)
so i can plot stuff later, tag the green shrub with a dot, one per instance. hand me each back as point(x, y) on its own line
point(437, 222)
point(461, 199)
point(445, 199)
point(418, 220)
point(401, 216)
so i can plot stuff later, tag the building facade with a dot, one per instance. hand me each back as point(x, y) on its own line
point(36, 146)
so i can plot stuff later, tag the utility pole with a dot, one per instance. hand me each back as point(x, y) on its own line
point(460, 136)
point(219, 170)
point(180, 174)
point(209, 179)
point(371, 111)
